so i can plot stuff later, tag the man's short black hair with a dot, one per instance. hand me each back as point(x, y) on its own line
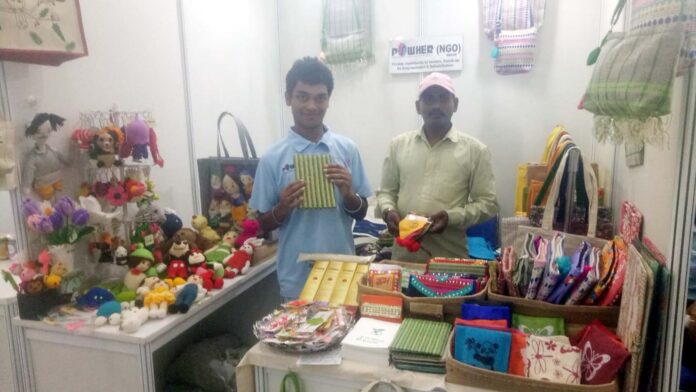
point(309, 70)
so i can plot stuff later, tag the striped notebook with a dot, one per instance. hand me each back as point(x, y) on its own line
point(421, 338)
point(319, 192)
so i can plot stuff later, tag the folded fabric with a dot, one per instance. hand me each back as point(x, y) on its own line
point(517, 345)
point(540, 326)
point(605, 269)
point(578, 270)
point(556, 266)
point(525, 264)
point(586, 285)
point(471, 311)
point(547, 359)
point(538, 269)
point(612, 293)
point(482, 323)
point(507, 267)
point(603, 354)
point(479, 248)
point(483, 348)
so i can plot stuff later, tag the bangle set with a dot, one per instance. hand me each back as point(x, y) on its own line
point(357, 209)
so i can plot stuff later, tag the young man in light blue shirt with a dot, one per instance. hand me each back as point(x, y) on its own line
point(277, 194)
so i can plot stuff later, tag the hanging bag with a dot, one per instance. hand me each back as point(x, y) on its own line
point(631, 84)
point(514, 49)
point(346, 35)
point(225, 182)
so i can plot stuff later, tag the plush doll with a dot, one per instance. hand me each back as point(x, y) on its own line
point(108, 312)
point(121, 255)
point(138, 136)
point(43, 164)
point(214, 213)
point(200, 223)
point(158, 300)
point(150, 213)
point(178, 268)
point(250, 229)
point(105, 145)
point(233, 189)
point(175, 283)
point(94, 298)
point(133, 318)
point(239, 262)
point(26, 270)
point(33, 286)
point(172, 223)
point(189, 235)
point(185, 297)
point(145, 287)
point(221, 251)
point(139, 261)
point(247, 181)
point(210, 281)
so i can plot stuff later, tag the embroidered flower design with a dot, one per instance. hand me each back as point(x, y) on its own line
point(550, 345)
point(557, 374)
point(557, 362)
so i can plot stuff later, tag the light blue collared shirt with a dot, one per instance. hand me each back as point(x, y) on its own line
point(326, 230)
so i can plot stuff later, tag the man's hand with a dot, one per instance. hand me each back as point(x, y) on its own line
point(392, 219)
point(440, 221)
point(291, 197)
point(340, 176)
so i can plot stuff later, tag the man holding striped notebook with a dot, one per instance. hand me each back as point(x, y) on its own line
point(312, 184)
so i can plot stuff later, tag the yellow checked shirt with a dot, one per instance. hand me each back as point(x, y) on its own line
point(454, 175)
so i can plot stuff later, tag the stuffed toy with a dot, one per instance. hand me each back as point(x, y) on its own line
point(26, 270)
point(189, 235)
point(185, 297)
point(139, 261)
point(175, 283)
point(178, 259)
point(200, 223)
point(233, 189)
point(172, 223)
point(411, 230)
point(94, 298)
point(150, 213)
point(145, 287)
point(133, 318)
point(210, 280)
point(105, 146)
point(247, 181)
point(158, 300)
point(42, 170)
point(177, 269)
point(250, 229)
point(239, 262)
point(121, 255)
point(223, 249)
point(108, 312)
point(138, 136)
point(225, 222)
point(214, 214)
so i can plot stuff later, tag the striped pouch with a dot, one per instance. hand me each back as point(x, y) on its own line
point(319, 192)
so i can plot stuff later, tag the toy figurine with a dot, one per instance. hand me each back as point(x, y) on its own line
point(105, 147)
point(138, 136)
point(140, 260)
point(200, 223)
point(239, 262)
point(42, 169)
point(248, 182)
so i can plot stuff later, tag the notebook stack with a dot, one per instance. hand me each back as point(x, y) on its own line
point(369, 341)
point(420, 346)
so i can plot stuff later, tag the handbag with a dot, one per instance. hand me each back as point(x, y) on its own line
point(525, 264)
point(226, 183)
point(429, 285)
point(648, 13)
point(631, 84)
point(42, 32)
point(553, 271)
point(346, 37)
point(538, 269)
point(603, 354)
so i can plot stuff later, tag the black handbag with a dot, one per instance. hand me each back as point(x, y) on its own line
point(226, 183)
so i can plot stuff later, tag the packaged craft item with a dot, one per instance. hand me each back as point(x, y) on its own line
point(385, 277)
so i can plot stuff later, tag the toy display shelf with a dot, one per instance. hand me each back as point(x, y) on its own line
point(107, 359)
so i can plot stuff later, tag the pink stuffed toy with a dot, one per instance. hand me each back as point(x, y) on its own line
point(239, 262)
point(138, 136)
point(250, 229)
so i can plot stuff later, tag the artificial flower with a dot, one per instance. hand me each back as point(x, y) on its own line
point(134, 189)
point(80, 217)
point(44, 225)
point(116, 195)
point(65, 206)
point(30, 207)
point(56, 220)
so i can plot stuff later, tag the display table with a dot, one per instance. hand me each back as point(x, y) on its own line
point(105, 359)
point(10, 347)
point(263, 369)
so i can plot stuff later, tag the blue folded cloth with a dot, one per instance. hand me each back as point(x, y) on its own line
point(480, 312)
point(365, 228)
point(479, 248)
point(482, 348)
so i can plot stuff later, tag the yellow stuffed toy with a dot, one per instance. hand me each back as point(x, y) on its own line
point(200, 223)
point(158, 300)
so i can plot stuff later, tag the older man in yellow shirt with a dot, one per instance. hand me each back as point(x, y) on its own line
point(439, 172)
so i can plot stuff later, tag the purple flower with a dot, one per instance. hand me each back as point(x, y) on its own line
point(33, 221)
point(80, 217)
point(30, 207)
point(64, 206)
point(44, 225)
point(56, 220)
